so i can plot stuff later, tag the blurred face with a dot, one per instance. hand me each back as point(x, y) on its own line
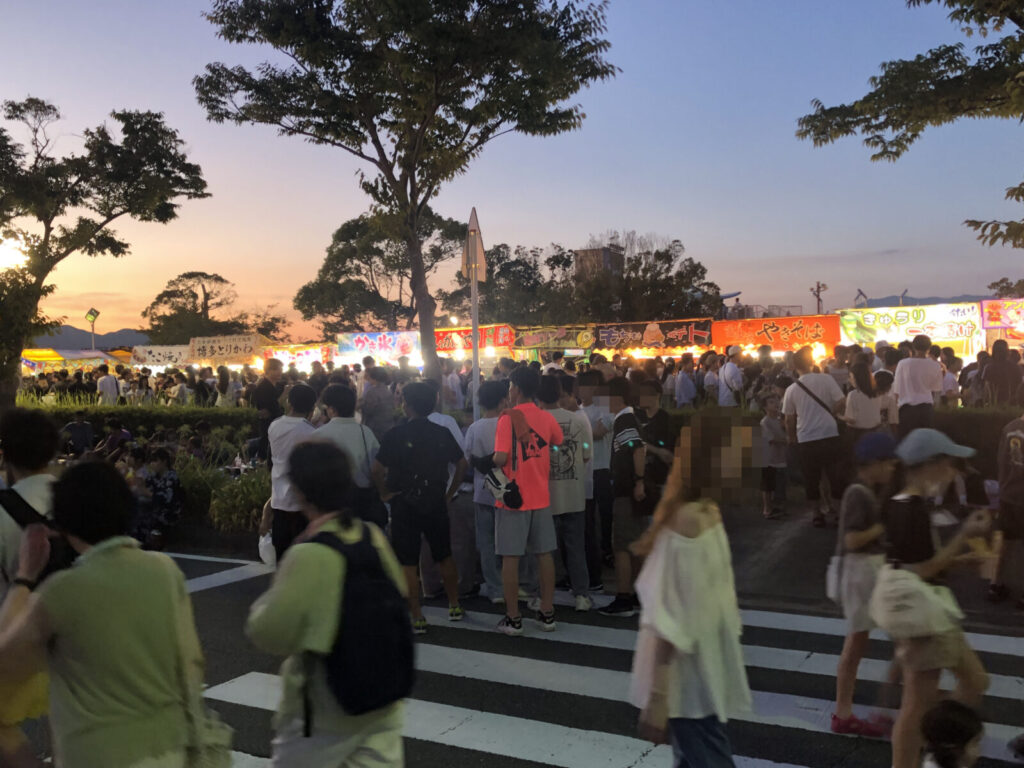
point(648, 402)
point(273, 374)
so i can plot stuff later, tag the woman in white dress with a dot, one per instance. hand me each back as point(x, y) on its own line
point(688, 672)
point(225, 392)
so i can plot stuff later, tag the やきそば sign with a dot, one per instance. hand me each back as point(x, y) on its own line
point(780, 333)
point(657, 335)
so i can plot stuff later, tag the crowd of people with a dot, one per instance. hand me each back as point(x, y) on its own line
point(575, 469)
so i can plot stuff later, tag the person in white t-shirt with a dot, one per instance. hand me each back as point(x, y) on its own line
point(451, 387)
point(811, 406)
point(863, 406)
point(107, 387)
point(951, 383)
point(287, 520)
point(730, 380)
point(918, 382)
point(555, 364)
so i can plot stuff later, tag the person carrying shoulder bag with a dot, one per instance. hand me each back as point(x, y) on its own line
point(910, 601)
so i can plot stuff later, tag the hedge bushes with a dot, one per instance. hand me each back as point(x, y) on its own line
point(146, 420)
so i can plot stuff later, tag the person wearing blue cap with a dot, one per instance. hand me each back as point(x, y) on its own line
point(930, 458)
point(860, 549)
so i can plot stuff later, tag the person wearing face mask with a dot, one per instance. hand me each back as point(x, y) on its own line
point(913, 544)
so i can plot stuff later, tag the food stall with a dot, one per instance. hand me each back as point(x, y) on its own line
point(36, 361)
point(232, 351)
point(160, 357)
point(949, 325)
point(664, 338)
point(302, 356)
point(783, 334)
point(574, 341)
point(457, 343)
point(1003, 319)
point(384, 347)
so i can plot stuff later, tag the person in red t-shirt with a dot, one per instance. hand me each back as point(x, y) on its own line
point(522, 448)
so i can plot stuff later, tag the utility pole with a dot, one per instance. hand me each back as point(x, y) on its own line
point(818, 289)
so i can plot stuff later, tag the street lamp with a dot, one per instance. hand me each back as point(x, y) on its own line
point(91, 316)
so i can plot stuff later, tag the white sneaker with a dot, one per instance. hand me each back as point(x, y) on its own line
point(497, 601)
point(583, 603)
point(533, 603)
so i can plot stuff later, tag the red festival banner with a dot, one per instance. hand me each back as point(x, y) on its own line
point(780, 333)
point(450, 339)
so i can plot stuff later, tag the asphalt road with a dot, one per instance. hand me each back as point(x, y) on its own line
point(483, 699)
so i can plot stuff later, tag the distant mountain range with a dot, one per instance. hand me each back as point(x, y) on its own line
point(912, 301)
point(69, 337)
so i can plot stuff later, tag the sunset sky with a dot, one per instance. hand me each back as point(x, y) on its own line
point(693, 140)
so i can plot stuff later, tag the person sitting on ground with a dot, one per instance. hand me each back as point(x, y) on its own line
point(302, 613)
point(161, 500)
point(118, 439)
point(78, 435)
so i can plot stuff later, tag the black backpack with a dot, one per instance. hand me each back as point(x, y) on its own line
point(372, 662)
point(24, 514)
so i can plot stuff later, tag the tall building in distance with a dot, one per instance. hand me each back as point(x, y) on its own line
point(591, 261)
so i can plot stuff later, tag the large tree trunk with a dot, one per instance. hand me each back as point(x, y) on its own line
point(425, 306)
point(10, 378)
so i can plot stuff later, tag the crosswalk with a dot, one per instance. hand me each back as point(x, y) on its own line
point(560, 698)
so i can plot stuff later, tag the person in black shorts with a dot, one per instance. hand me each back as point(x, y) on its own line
point(411, 472)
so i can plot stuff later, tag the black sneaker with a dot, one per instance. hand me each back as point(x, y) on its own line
point(546, 621)
point(622, 606)
point(510, 626)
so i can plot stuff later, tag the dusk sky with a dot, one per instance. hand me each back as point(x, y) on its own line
point(693, 140)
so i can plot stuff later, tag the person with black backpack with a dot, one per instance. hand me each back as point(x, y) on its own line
point(337, 610)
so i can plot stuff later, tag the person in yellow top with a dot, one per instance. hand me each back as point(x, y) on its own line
point(300, 616)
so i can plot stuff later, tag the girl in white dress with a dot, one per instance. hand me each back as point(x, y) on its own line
point(688, 672)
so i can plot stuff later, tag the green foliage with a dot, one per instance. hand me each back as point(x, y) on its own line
point(184, 309)
point(238, 504)
point(200, 481)
point(937, 88)
point(534, 287)
point(365, 280)
point(148, 420)
point(1004, 289)
point(55, 206)
point(414, 89)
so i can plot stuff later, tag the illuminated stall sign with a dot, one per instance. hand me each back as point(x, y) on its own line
point(1003, 314)
point(953, 325)
point(387, 345)
point(555, 337)
point(169, 356)
point(780, 333)
point(301, 355)
point(664, 334)
point(225, 350)
point(451, 339)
